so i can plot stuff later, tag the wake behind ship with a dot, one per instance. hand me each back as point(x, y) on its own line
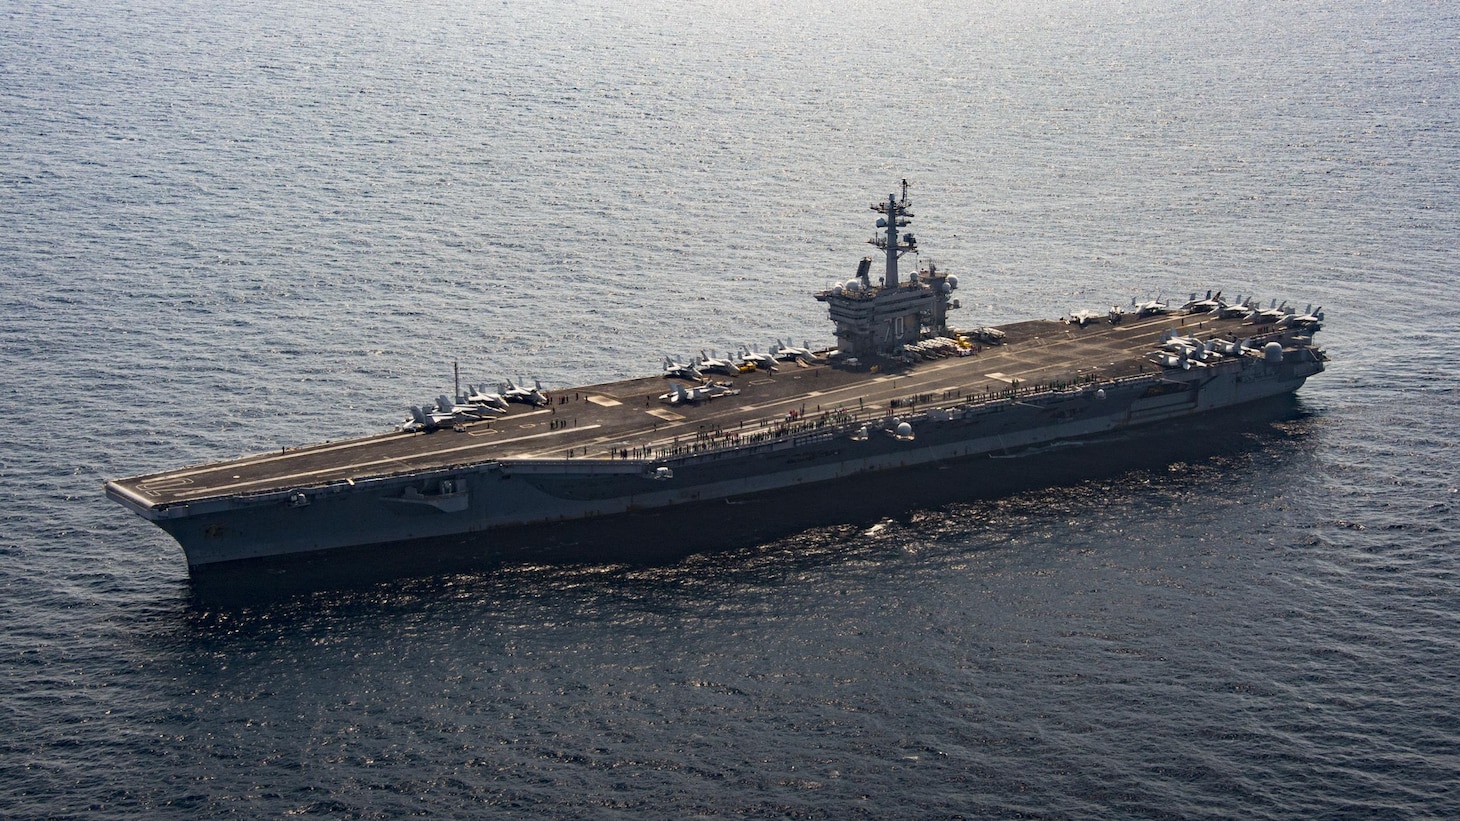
point(902, 388)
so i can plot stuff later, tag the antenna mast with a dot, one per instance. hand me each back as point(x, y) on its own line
point(895, 214)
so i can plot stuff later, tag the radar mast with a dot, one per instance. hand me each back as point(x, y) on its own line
point(895, 214)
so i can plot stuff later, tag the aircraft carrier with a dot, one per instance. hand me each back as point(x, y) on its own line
point(901, 388)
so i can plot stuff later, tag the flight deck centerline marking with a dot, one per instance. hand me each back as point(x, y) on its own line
point(403, 462)
point(307, 451)
point(264, 458)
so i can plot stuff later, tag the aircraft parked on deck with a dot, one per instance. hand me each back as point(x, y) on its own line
point(527, 396)
point(680, 395)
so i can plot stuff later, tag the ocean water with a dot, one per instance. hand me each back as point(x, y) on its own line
point(230, 227)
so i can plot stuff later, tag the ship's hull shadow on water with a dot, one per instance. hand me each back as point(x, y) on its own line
point(665, 536)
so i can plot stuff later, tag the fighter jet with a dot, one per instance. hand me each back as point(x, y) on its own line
point(1228, 347)
point(443, 414)
point(716, 365)
point(1149, 308)
point(1309, 320)
point(1171, 360)
point(785, 353)
point(421, 421)
point(760, 361)
point(1178, 344)
point(528, 396)
point(680, 370)
point(444, 404)
point(1083, 317)
point(1235, 310)
point(1201, 306)
point(679, 395)
point(486, 400)
point(1272, 313)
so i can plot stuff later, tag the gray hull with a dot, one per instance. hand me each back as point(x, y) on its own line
point(477, 500)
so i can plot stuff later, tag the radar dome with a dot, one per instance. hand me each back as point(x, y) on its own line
point(1273, 352)
point(904, 430)
point(952, 283)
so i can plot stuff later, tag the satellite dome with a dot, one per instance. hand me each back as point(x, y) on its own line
point(952, 283)
point(1273, 352)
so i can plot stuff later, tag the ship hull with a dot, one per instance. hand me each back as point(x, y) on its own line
point(646, 538)
point(509, 507)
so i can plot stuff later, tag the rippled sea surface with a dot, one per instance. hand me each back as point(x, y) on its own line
point(231, 227)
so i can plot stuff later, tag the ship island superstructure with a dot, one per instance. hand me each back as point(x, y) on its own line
point(900, 389)
point(878, 321)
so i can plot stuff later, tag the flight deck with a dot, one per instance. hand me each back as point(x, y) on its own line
point(630, 419)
